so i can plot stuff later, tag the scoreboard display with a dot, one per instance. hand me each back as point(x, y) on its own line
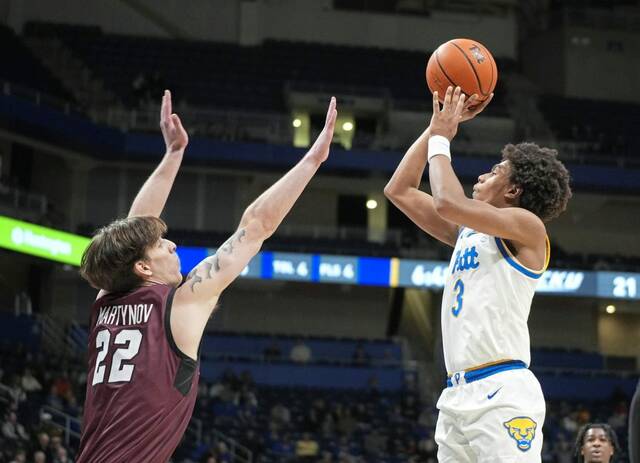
point(391, 272)
point(408, 273)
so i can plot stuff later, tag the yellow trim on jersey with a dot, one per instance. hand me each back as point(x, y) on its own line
point(547, 257)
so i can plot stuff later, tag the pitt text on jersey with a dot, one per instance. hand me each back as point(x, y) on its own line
point(465, 260)
point(124, 314)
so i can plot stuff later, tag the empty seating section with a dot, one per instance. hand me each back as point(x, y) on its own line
point(561, 358)
point(21, 67)
point(598, 127)
point(224, 75)
point(22, 330)
point(309, 375)
point(324, 350)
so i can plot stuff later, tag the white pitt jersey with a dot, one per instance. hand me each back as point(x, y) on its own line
point(486, 302)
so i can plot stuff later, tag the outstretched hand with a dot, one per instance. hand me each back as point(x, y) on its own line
point(472, 108)
point(445, 121)
point(320, 149)
point(175, 136)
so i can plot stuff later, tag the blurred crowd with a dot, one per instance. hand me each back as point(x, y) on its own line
point(274, 424)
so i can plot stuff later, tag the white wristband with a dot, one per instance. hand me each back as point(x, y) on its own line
point(438, 145)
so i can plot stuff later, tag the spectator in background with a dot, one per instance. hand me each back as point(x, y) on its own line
point(62, 456)
point(306, 448)
point(300, 353)
point(280, 415)
point(139, 88)
point(596, 443)
point(39, 457)
point(16, 392)
point(563, 450)
point(283, 449)
point(410, 407)
point(347, 424)
point(29, 382)
point(20, 456)
point(569, 423)
point(374, 443)
point(53, 399)
point(62, 385)
point(12, 430)
point(54, 446)
point(43, 444)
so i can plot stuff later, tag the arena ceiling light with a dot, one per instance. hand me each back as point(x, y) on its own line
point(611, 309)
point(372, 204)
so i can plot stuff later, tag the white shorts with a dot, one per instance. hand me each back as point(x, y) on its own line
point(495, 419)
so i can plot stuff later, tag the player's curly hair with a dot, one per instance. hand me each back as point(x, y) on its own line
point(542, 176)
point(611, 435)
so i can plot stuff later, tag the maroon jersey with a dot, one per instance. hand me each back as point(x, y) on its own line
point(141, 388)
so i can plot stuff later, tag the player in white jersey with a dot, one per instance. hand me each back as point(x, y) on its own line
point(492, 409)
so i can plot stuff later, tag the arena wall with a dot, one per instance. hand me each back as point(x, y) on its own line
point(250, 23)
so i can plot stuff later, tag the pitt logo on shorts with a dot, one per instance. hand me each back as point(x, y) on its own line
point(523, 431)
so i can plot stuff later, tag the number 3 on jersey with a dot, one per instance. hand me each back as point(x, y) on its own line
point(130, 340)
point(458, 289)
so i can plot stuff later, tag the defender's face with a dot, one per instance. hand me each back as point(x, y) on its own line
point(164, 262)
point(493, 185)
point(596, 447)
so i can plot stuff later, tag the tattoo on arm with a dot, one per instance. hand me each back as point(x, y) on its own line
point(213, 262)
point(228, 245)
point(194, 278)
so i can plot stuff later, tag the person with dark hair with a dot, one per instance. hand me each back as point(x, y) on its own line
point(493, 408)
point(145, 325)
point(596, 443)
point(634, 427)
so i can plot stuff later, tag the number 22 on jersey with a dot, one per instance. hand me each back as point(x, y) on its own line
point(130, 341)
point(458, 292)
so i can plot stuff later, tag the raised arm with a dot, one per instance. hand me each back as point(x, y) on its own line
point(451, 203)
point(403, 190)
point(197, 297)
point(153, 195)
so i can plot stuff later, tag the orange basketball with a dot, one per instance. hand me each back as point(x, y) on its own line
point(464, 63)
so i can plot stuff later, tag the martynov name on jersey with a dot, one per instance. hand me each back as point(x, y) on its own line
point(124, 314)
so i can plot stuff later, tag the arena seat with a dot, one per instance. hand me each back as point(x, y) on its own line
point(23, 69)
point(224, 75)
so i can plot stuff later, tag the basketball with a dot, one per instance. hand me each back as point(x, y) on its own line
point(465, 63)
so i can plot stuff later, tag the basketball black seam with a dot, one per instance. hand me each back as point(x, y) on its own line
point(444, 72)
point(472, 67)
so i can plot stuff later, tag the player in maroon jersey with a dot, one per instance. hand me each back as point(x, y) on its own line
point(145, 328)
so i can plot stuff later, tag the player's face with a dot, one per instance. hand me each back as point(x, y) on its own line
point(164, 262)
point(596, 447)
point(493, 185)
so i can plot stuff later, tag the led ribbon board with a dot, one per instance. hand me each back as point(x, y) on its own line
point(40, 241)
point(67, 248)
